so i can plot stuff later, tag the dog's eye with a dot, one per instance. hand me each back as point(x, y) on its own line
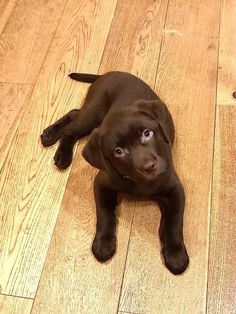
point(119, 152)
point(147, 135)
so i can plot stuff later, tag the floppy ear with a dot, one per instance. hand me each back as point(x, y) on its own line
point(92, 152)
point(157, 110)
point(164, 132)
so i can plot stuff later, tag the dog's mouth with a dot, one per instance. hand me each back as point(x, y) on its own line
point(140, 176)
point(152, 176)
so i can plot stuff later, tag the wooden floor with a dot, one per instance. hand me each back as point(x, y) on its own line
point(186, 51)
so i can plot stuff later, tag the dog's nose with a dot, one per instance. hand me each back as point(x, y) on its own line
point(150, 166)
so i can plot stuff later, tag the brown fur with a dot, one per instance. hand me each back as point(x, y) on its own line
point(132, 133)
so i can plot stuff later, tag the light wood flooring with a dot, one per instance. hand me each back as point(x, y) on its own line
point(186, 51)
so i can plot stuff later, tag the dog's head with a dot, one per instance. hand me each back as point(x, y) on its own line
point(133, 142)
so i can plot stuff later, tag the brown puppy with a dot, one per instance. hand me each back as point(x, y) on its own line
point(131, 140)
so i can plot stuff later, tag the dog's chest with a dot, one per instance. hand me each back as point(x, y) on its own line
point(143, 190)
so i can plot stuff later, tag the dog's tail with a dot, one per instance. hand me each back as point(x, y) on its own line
point(84, 77)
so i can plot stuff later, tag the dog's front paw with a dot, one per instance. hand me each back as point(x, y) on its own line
point(50, 135)
point(104, 248)
point(63, 158)
point(176, 259)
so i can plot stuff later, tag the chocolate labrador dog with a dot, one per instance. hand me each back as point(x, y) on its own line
point(131, 140)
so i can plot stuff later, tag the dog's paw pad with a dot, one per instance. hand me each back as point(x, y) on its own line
point(176, 260)
point(50, 135)
point(103, 250)
point(62, 158)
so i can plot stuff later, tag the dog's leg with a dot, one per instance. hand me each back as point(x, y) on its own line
point(54, 132)
point(171, 230)
point(89, 117)
point(104, 244)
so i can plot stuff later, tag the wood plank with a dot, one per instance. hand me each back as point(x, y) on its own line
point(13, 99)
point(90, 287)
point(135, 46)
point(222, 274)
point(14, 305)
point(31, 189)
point(6, 8)
point(186, 80)
point(26, 38)
point(227, 53)
point(126, 312)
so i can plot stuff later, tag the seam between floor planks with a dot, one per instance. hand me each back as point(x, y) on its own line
point(125, 312)
point(16, 296)
point(126, 257)
point(162, 39)
point(213, 155)
point(15, 305)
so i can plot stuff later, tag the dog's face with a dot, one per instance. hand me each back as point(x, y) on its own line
point(131, 143)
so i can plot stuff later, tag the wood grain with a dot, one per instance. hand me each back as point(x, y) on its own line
point(31, 189)
point(13, 98)
point(222, 253)
point(14, 305)
point(90, 287)
point(121, 312)
point(26, 38)
point(134, 46)
point(186, 80)
point(227, 53)
point(6, 8)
